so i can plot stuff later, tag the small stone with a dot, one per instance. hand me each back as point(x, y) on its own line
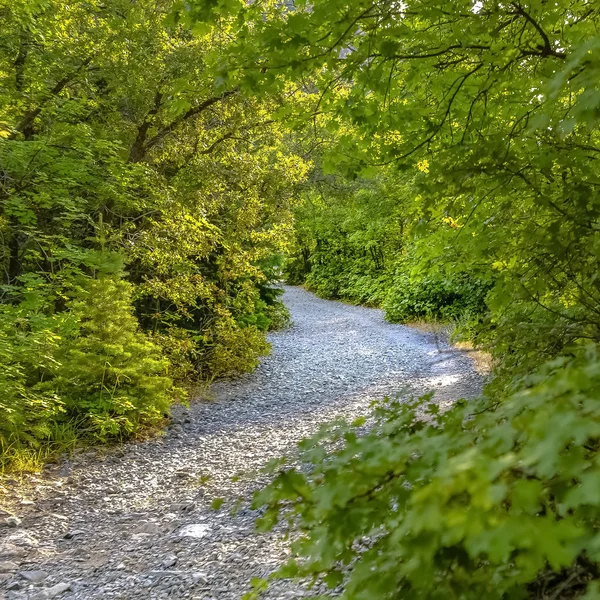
point(161, 574)
point(169, 561)
point(59, 517)
point(71, 534)
point(13, 521)
point(34, 576)
point(199, 577)
point(52, 592)
point(7, 566)
point(149, 527)
point(120, 567)
point(58, 589)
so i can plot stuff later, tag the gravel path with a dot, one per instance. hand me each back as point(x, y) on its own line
point(136, 522)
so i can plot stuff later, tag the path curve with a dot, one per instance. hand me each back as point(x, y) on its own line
point(113, 524)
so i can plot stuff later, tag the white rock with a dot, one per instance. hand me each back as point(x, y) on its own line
point(56, 590)
point(52, 592)
point(169, 561)
point(194, 530)
point(161, 574)
point(199, 577)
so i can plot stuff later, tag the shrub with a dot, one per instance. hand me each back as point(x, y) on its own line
point(179, 347)
point(231, 349)
point(29, 342)
point(432, 297)
point(278, 315)
point(110, 374)
point(274, 309)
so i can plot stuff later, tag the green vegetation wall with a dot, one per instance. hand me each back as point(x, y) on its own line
point(141, 203)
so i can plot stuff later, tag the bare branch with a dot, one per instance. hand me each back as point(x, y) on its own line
point(546, 48)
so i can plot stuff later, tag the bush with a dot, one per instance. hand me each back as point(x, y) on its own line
point(231, 349)
point(278, 315)
point(274, 309)
point(180, 347)
point(110, 374)
point(86, 372)
point(438, 298)
point(29, 342)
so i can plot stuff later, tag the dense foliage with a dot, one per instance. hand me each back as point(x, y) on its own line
point(358, 242)
point(141, 207)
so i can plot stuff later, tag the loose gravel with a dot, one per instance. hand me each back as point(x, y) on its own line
point(136, 521)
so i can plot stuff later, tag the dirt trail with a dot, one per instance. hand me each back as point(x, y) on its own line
point(136, 522)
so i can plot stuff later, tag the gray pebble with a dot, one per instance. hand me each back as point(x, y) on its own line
point(169, 561)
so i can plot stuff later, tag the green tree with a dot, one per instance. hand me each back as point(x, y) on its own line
point(119, 138)
point(110, 376)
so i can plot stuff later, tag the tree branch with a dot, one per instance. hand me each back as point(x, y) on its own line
point(137, 149)
point(546, 48)
point(166, 129)
point(19, 63)
point(26, 125)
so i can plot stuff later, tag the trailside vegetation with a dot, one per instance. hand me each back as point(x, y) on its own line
point(141, 207)
point(360, 242)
